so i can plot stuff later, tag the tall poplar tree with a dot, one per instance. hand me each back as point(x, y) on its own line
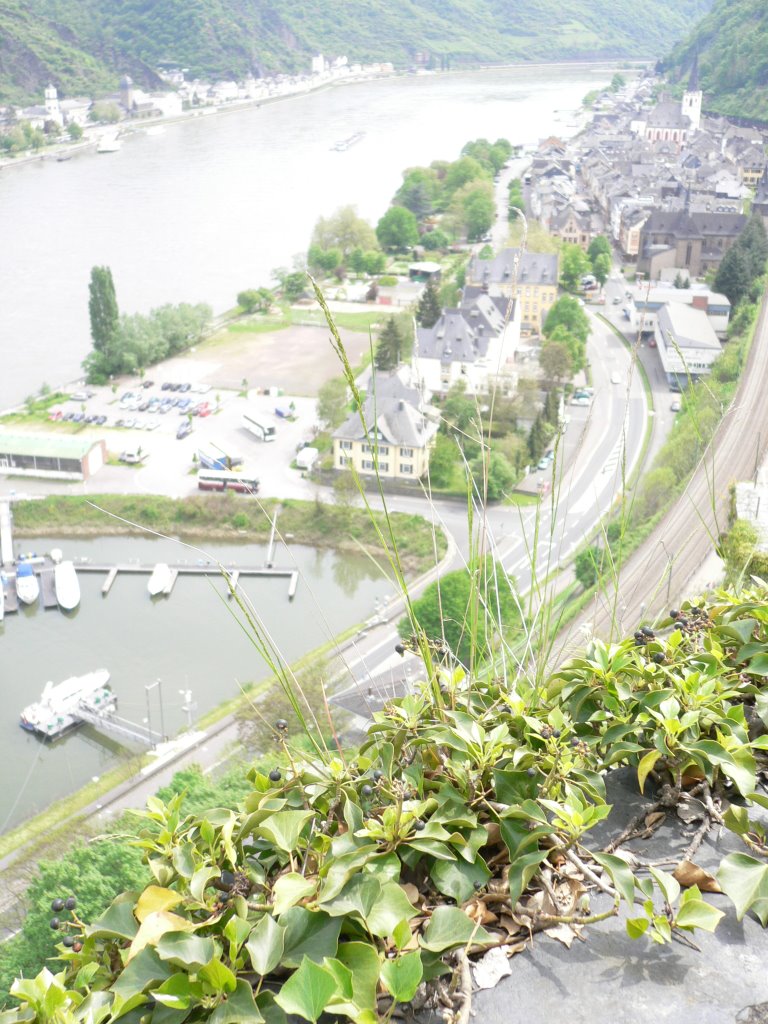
point(428, 310)
point(102, 308)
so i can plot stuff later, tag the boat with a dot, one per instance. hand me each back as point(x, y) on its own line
point(58, 709)
point(67, 585)
point(159, 580)
point(344, 144)
point(109, 143)
point(27, 584)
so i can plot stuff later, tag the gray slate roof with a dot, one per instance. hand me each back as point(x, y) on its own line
point(394, 409)
point(534, 268)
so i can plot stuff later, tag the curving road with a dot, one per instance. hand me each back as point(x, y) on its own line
point(658, 572)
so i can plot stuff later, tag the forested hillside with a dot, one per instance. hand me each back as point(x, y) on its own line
point(732, 45)
point(83, 45)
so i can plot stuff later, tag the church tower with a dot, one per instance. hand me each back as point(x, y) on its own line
point(52, 108)
point(691, 105)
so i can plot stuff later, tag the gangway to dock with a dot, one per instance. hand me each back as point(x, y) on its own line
point(121, 727)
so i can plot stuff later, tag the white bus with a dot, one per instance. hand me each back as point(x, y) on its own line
point(227, 480)
point(257, 427)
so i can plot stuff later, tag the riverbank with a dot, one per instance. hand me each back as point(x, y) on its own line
point(227, 517)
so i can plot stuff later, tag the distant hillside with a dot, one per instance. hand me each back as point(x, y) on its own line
point(732, 45)
point(84, 45)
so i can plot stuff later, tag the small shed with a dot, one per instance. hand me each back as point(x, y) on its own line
point(425, 270)
point(55, 458)
point(307, 457)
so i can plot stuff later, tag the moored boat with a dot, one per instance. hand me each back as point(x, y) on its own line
point(108, 143)
point(27, 584)
point(67, 585)
point(57, 710)
point(159, 580)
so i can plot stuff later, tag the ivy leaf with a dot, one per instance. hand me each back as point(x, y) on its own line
point(361, 893)
point(117, 921)
point(178, 992)
point(403, 975)
point(154, 899)
point(219, 976)
point(363, 961)
point(695, 912)
point(284, 828)
point(521, 871)
point(450, 927)
point(310, 933)
point(308, 990)
point(239, 1007)
point(265, 945)
point(745, 881)
point(392, 907)
point(185, 950)
point(458, 879)
point(621, 875)
point(154, 926)
point(637, 926)
point(647, 763)
point(669, 886)
point(289, 890)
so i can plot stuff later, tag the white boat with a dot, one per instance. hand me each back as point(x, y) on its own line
point(109, 143)
point(67, 585)
point(59, 704)
point(160, 579)
point(27, 584)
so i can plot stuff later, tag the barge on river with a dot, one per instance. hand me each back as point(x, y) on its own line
point(62, 706)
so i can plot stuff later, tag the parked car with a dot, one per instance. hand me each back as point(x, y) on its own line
point(542, 464)
point(147, 383)
point(185, 428)
point(56, 414)
point(615, 377)
point(581, 400)
point(101, 420)
point(151, 425)
point(165, 386)
point(205, 410)
point(78, 417)
point(675, 406)
point(185, 387)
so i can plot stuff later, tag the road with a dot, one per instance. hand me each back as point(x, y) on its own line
point(657, 574)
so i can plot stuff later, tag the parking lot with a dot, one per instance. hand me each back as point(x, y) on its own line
point(144, 417)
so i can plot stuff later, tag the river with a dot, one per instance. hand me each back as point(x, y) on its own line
point(188, 640)
point(211, 205)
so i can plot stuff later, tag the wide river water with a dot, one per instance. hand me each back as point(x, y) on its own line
point(211, 205)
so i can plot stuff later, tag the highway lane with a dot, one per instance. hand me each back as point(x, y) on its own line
point(660, 570)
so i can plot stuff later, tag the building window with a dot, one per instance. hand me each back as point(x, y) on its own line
point(406, 469)
point(384, 467)
point(382, 449)
point(406, 453)
point(367, 464)
point(343, 460)
point(345, 445)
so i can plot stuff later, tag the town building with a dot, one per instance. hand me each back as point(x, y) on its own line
point(530, 278)
point(687, 344)
point(400, 433)
point(54, 458)
point(693, 242)
point(644, 302)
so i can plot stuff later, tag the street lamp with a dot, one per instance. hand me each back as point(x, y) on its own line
point(151, 686)
point(188, 706)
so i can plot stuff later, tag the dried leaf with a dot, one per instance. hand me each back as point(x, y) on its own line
point(654, 818)
point(563, 933)
point(692, 776)
point(412, 892)
point(628, 857)
point(556, 858)
point(512, 949)
point(478, 911)
point(494, 833)
point(687, 874)
point(691, 810)
point(491, 968)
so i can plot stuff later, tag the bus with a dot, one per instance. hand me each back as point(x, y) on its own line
point(257, 427)
point(212, 456)
point(227, 480)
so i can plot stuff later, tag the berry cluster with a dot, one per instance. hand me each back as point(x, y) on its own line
point(73, 942)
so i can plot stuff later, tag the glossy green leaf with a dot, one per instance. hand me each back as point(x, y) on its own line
point(284, 828)
point(646, 766)
point(265, 945)
point(185, 950)
point(308, 990)
point(358, 896)
point(669, 886)
point(695, 912)
point(392, 907)
point(309, 933)
point(745, 881)
point(521, 871)
point(403, 975)
point(178, 992)
point(620, 874)
point(450, 927)
point(637, 926)
point(458, 879)
point(363, 961)
point(219, 976)
point(289, 890)
point(117, 921)
point(238, 1008)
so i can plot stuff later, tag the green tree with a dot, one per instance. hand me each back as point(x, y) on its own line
point(418, 192)
point(294, 285)
point(104, 111)
point(256, 720)
point(463, 607)
point(538, 438)
point(556, 363)
point(74, 131)
point(102, 308)
point(569, 313)
point(333, 402)
point(733, 277)
point(433, 240)
point(397, 229)
point(495, 474)
point(344, 230)
point(574, 264)
point(374, 262)
point(587, 566)
point(461, 172)
point(428, 309)
point(601, 268)
point(444, 458)
point(389, 346)
point(255, 300)
point(552, 407)
point(617, 82)
point(599, 246)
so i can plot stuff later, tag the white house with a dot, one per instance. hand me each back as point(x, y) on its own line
point(687, 343)
point(475, 344)
point(643, 305)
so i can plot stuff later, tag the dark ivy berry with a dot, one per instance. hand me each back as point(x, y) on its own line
point(419, 825)
point(647, 631)
point(228, 879)
point(556, 733)
point(281, 724)
point(55, 923)
point(68, 940)
point(658, 658)
point(399, 649)
point(574, 741)
point(57, 905)
point(366, 790)
point(378, 775)
point(477, 884)
point(70, 903)
point(77, 946)
point(673, 613)
point(682, 622)
point(274, 775)
point(531, 772)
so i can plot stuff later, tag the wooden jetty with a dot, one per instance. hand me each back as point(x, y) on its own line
point(11, 597)
point(235, 575)
point(47, 588)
